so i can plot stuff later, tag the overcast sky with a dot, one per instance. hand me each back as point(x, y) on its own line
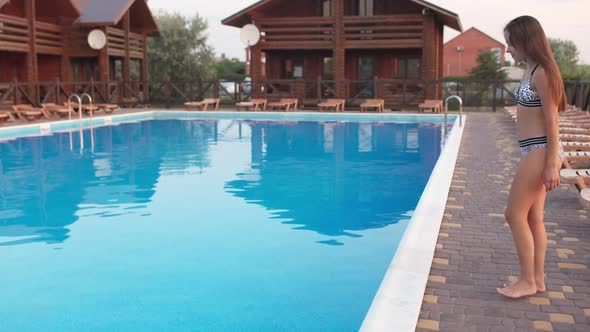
point(565, 19)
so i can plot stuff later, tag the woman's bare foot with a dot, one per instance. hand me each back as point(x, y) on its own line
point(518, 289)
point(540, 286)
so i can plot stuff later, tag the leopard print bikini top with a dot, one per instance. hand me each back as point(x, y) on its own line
point(525, 94)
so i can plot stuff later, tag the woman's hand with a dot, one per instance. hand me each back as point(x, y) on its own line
point(551, 177)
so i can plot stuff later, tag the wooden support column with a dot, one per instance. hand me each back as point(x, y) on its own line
point(429, 60)
point(440, 75)
point(32, 67)
point(127, 58)
point(256, 70)
point(144, 70)
point(339, 53)
point(103, 62)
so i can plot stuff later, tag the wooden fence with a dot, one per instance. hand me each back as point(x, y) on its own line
point(398, 94)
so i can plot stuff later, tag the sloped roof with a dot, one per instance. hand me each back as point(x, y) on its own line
point(110, 12)
point(3, 2)
point(447, 17)
point(478, 31)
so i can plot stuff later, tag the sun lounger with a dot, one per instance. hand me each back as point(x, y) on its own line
point(28, 112)
point(433, 104)
point(107, 108)
point(4, 116)
point(578, 177)
point(379, 104)
point(285, 103)
point(54, 109)
point(254, 104)
point(202, 105)
point(335, 104)
point(574, 137)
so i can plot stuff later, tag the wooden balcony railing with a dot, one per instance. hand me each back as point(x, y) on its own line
point(298, 32)
point(137, 47)
point(49, 38)
point(116, 43)
point(385, 31)
point(14, 34)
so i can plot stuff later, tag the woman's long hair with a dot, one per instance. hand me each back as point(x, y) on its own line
point(526, 33)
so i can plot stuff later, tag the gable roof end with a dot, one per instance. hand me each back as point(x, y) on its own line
point(447, 17)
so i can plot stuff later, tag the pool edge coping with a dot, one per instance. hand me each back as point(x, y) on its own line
point(396, 306)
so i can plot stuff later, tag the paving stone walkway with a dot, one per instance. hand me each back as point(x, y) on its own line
point(475, 253)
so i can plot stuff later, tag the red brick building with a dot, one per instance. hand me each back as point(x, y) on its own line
point(460, 53)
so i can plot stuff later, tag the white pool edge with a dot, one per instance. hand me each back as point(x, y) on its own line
point(396, 306)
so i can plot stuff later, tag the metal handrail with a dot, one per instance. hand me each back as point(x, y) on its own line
point(70, 106)
point(460, 108)
point(77, 97)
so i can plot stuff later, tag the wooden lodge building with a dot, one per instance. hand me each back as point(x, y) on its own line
point(342, 47)
point(45, 41)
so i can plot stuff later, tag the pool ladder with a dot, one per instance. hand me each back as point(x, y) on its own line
point(80, 100)
point(460, 108)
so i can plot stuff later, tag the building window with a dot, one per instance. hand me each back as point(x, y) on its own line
point(293, 68)
point(365, 7)
point(328, 69)
point(406, 68)
point(326, 8)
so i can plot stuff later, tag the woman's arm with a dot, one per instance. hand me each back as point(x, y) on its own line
point(552, 163)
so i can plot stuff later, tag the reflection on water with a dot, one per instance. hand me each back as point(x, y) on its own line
point(338, 178)
point(45, 185)
point(331, 178)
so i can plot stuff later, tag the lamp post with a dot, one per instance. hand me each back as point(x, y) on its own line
point(460, 50)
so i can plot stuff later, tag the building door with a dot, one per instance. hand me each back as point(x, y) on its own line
point(366, 74)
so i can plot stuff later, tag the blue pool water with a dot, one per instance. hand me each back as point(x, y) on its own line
point(206, 225)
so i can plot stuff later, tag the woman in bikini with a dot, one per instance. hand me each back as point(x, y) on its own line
point(540, 96)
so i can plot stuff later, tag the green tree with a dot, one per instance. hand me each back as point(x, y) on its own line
point(566, 54)
point(231, 69)
point(488, 67)
point(583, 73)
point(181, 53)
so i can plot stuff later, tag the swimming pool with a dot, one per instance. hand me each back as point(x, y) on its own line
point(207, 224)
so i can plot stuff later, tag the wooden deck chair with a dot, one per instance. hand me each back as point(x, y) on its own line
point(51, 109)
point(335, 104)
point(28, 112)
point(202, 105)
point(578, 177)
point(378, 104)
point(285, 103)
point(433, 104)
point(107, 108)
point(254, 104)
point(575, 146)
point(4, 116)
point(574, 138)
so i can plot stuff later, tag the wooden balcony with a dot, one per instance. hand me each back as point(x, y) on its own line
point(49, 38)
point(116, 43)
point(14, 34)
point(385, 31)
point(294, 33)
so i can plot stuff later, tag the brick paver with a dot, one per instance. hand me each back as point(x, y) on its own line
point(475, 253)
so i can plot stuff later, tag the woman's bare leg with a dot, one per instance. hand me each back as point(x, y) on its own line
point(527, 187)
point(540, 239)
